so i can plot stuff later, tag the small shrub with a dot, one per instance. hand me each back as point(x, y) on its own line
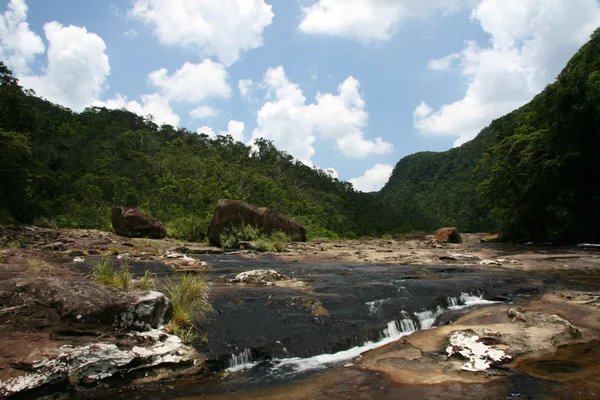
point(189, 296)
point(104, 273)
point(234, 236)
point(189, 229)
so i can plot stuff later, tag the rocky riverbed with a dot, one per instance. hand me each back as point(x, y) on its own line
point(405, 317)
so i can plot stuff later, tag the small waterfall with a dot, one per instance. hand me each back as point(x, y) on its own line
point(427, 318)
point(467, 300)
point(241, 361)
point(452, 302)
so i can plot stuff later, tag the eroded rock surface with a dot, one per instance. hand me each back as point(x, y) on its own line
point(94, 362)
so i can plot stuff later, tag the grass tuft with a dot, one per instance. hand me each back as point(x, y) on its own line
point(105, 273)
point(148, 281)
point(189, 296)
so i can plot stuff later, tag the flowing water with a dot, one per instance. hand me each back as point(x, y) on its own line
point(269, 336)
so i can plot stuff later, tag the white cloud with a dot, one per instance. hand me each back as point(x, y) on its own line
point(221, 28)
point(151, 104)
point(207, 131)
point(192, 82)
point(441, 64)
point(235, 129)
point(203, 112)
point(293, 125)
point(530, 42)
point(373, 179)
point(18, 44)
point(368, 20)
point(77, 67)
point(245, 88)
point(332, 172)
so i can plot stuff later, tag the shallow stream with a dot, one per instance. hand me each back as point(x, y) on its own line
point(261, 338)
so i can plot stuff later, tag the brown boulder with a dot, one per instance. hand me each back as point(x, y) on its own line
point(69, 303)
point(448, 235)
point(132, 222)
point(235, 212)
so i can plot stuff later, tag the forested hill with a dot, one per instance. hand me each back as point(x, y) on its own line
point(537, 169)
point(534, 174)
point(68, 169)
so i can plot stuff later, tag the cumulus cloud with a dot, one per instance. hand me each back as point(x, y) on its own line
point(373, 179)
point(203, 112)
point(77, 67)
point(221, 28)
point(18, 44)
point(530, 41)
point(152, 104)
point(293, 125)
point(207, 131)
point(235, 129)
point(192, 82)
point(368, 20)
point(332, 172)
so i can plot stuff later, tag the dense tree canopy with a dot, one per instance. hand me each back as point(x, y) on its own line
point(533, 173)
point(71, 168)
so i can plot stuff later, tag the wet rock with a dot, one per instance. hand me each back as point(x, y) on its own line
point(94, 362)
point(448, 235)
point(235, 212)
point(261, 277)
point(132, 222)
point(83, 302)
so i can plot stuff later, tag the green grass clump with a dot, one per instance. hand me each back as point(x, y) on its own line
point(105, 273)
point(148, 281)
point(253, 238)
point(189, 296)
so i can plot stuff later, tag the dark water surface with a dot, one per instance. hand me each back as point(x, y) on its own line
point(265, 339)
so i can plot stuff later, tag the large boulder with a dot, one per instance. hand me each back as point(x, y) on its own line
point(448, 235)
point(132, 222)
point(235, 212)
point(68, 303)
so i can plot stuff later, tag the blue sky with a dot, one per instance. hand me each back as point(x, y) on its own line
point(353, 85)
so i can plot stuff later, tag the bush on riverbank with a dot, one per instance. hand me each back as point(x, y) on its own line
point(253, 238)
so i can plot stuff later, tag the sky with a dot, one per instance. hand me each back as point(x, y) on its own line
point(347, 86)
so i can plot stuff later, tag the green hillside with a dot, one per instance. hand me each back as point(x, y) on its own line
point(68, 169)
point(533, 173)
